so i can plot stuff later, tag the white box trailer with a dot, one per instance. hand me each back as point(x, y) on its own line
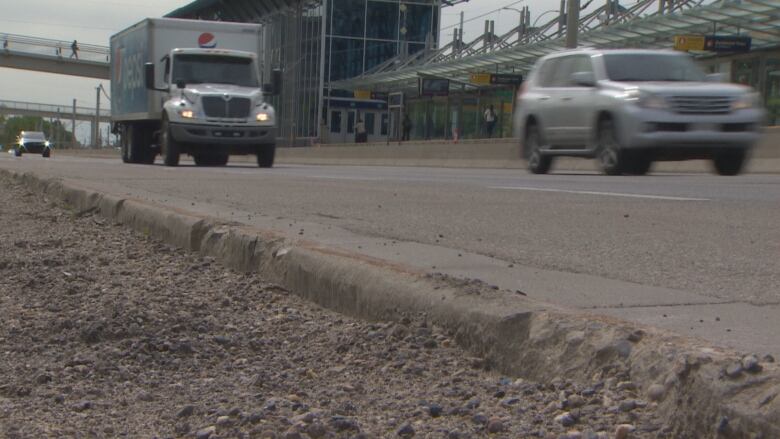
point(190, 86)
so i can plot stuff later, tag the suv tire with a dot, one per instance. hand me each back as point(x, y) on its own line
point(729, 162)
point(538, 163)
point(609, 154)
point(636, 163)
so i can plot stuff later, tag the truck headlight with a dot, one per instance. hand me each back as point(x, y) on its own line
point(187, 114)
point(748, 100)
point(263, 117)
point(46, 144)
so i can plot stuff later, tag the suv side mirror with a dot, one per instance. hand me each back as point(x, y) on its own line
point(149, 75)
point(583, 79)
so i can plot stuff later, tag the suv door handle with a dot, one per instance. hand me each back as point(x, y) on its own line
point(566, 98)
point(544, 98)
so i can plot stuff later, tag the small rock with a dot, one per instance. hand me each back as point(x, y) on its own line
point(750, 363)
point(205, 433)
point(406, 430)
point(734, 370)
point(316, 430)
point(185, 411)
point(575, 401)
point(82, 406)
point(626, 385)
point(495, 425)
point(223, 421)
point(479, 419)
point(627, 405)
point(292, 434)
point(656, 392)
point(435, 410)
point(566, 419)
point(573, 434)
point(623, 430)
point(768, 358)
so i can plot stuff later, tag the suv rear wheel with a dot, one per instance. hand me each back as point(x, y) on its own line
point(538, 163)
point(610, 156)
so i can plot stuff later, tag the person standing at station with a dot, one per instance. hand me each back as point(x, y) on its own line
point(490, 120)
point(74, 47)
point(406, 125)
point(360, 132)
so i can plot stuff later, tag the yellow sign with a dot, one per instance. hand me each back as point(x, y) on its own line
point(480, 78)
point(362, 94)
point(688, 42)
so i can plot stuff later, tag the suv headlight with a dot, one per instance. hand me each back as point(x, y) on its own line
point(187, 114)
point(262, 116)
point(748, 100)
point(646, 100)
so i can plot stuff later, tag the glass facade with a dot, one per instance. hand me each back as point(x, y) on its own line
point(362, 34)
point(359, 35)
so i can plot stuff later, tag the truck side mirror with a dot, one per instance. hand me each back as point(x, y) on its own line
point(149, 75)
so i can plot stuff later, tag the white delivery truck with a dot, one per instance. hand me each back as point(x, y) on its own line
point(191, 87)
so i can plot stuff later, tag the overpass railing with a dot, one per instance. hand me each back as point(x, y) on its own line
point(54, 48)
point(64, 110)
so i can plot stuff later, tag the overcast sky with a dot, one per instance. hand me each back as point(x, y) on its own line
point(94, 21)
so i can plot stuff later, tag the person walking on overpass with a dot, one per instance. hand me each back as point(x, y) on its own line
point(5, 44)
point(74, 47)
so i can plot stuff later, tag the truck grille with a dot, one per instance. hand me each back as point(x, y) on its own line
point(700, 104)
point(216, 106)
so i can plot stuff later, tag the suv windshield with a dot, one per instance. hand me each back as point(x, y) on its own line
point(195, 69)
point(630, 67)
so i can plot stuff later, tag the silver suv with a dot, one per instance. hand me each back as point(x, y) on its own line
point(628, 108)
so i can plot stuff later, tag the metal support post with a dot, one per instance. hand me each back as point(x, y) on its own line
point(96, 133)
point(73, 126)
point(572, 24)
point(562, 17)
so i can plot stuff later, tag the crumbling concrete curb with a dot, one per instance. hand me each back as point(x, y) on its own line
point(520, 337)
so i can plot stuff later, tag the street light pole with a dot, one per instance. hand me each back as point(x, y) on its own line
point(572, 24)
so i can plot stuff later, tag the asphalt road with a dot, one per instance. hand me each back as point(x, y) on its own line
point(696, 253)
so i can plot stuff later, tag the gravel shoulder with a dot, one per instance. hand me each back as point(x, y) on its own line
point(107, 333)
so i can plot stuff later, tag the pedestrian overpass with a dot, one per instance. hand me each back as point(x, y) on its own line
point(53, 56)
point(15, 108)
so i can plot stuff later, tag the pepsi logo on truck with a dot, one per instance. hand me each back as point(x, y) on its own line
point(207, 40)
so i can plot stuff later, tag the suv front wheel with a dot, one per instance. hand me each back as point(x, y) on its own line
point(609, 154)
point(538, 163)
point(729, 162)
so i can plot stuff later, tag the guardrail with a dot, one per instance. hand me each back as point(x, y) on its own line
point(54, 48)
point(65, 110)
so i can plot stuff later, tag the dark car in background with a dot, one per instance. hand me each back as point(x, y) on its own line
point(33, 142)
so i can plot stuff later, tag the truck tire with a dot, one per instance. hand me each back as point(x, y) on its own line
point(265, 155)
point(136, 141)
point(210, 159)
point(46, 152)
point(17, 152)
point(171, 150)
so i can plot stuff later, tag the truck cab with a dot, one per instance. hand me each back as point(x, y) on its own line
point(213, 106)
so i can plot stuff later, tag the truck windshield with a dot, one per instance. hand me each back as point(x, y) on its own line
point(221, 69)
point(631, 67)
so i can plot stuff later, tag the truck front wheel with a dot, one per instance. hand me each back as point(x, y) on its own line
point(170, 147)
point(265, 155)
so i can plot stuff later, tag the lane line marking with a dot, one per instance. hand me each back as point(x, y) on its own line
point(610, 194)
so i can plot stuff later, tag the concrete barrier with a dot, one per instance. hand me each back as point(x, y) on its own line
point(480, 153)
point(516, 335)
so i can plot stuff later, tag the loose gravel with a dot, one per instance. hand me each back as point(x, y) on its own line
point(107, 333)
